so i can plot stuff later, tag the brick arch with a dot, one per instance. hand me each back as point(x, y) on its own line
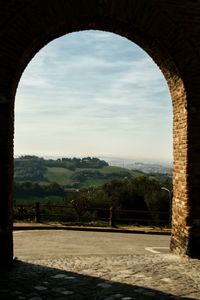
point(26, 26)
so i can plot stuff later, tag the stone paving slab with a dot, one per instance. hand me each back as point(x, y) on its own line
point(142, 277)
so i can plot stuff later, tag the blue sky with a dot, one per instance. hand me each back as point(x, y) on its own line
point(93, 93)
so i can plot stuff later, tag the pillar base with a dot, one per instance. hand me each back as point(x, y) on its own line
point(6, 250)
point(187, 246)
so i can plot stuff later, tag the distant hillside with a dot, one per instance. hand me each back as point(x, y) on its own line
point(67, 172)
point(146, 166)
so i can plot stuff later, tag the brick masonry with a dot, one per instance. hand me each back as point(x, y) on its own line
point(167, 30)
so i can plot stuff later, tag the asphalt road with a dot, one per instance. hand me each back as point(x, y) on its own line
point(47, 244)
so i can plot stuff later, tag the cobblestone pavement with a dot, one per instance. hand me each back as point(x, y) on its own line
point(155, 276)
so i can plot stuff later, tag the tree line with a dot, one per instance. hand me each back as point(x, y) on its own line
point(33, 168)
point(139, 193)
point(28, 189)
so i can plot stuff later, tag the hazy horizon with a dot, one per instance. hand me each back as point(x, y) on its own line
point(103, 157)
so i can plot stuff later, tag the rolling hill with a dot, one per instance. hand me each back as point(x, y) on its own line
point(69, 173)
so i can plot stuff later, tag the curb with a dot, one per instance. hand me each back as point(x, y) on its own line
point(92, 229)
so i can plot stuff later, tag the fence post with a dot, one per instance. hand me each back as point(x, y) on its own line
point(111, 217)
point(37, 212)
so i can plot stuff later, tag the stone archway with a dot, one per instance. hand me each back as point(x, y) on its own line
point(160, 29)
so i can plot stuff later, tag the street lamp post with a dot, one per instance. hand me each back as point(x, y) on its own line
point(170, 201)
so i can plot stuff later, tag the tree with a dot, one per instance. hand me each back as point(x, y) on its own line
point(79, 199)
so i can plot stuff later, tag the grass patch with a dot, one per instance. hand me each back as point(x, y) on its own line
point(113, 169)
point(93, 183)
point(61, 176)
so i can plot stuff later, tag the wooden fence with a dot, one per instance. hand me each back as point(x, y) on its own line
point(90, 215)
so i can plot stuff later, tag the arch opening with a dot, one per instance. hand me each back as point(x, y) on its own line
point(132, 92)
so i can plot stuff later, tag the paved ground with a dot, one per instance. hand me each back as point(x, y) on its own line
point(45, 244)
point(98, 266)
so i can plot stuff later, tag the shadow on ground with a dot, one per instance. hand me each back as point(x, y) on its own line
point(36, 282)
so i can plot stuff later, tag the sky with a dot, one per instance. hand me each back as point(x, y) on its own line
point(93, 93)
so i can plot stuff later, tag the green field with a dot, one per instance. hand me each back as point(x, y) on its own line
point(114, 169)
point(60, 175)
point(66, 177)
point(93, 183)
